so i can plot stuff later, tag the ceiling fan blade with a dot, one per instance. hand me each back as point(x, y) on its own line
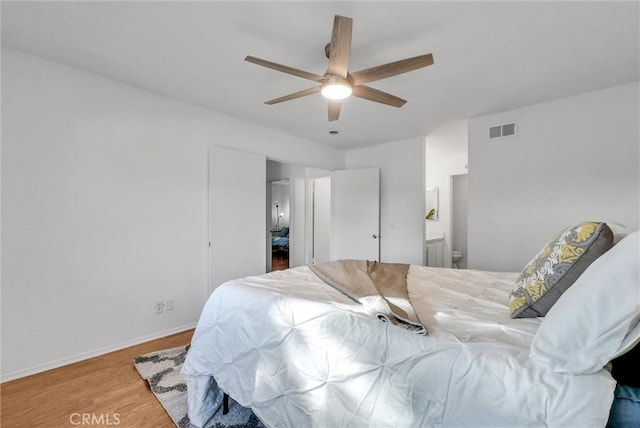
point(391, 69)
point(334, 109)
point(295, 95)
point(285, 69)
point(340, 46)
point(377, 96)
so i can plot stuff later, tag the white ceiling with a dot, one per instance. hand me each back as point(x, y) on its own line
point(489, 56)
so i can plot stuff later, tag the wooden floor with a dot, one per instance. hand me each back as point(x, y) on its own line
point(280, 261)
point(108, 387)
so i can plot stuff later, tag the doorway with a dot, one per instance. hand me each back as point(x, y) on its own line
point(459, 197)
point(345, 214)
point(279, 227)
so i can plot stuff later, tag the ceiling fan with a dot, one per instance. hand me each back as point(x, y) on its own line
point(338, 83)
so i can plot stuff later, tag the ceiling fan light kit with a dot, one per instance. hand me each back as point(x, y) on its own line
point(336, 88)
point(338, 83)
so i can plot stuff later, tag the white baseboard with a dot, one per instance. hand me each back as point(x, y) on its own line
point(6, 377)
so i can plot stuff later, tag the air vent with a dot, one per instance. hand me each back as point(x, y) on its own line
point(495, 132)
point(506, 130)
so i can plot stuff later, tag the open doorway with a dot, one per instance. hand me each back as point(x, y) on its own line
point(459, 197)
point(286, 185)
point(280, 223)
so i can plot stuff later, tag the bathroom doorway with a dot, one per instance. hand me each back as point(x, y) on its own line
point(459, 197)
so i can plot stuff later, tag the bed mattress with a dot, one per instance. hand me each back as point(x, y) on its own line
point(301, 354)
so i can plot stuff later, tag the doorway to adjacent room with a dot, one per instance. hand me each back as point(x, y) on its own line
point(280, 223)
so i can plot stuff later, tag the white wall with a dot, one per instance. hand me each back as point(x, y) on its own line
point(446, 155)
point(104, 198)
point(573, 159)
point(402, 197)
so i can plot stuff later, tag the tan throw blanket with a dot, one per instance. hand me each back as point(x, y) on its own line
point(380, 287)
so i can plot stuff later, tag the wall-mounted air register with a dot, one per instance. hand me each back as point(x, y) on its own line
point(501, 131)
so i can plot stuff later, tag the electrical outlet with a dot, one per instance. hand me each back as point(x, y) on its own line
point(158, 308)
point(168, 304)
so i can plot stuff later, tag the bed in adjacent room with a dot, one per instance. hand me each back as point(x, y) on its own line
point(301, 348)
point(280, 242)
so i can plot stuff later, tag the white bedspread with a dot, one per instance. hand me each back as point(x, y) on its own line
point(301, 354)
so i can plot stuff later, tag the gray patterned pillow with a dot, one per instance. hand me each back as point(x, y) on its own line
point(556, 267)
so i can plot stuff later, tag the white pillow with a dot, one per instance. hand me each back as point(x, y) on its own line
point(597, 318)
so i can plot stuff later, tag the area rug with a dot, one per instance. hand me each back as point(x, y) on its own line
point(161, 369)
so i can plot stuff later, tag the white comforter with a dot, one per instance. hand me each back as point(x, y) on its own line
point(301, 354)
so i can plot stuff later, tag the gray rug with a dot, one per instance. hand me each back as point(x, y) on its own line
point(161, 369)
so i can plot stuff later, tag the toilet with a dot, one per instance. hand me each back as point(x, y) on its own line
point(456, 256)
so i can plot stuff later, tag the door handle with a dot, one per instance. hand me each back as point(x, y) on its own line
point(374, 236)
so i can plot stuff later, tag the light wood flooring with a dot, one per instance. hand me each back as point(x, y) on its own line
point(103, 386)
point(280, 261)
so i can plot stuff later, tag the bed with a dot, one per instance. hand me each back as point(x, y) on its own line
point(281, 241)
point(301, 352)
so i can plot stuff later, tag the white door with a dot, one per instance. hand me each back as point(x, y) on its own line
point(321, 219)
point(237, 197)
point(355, 219)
